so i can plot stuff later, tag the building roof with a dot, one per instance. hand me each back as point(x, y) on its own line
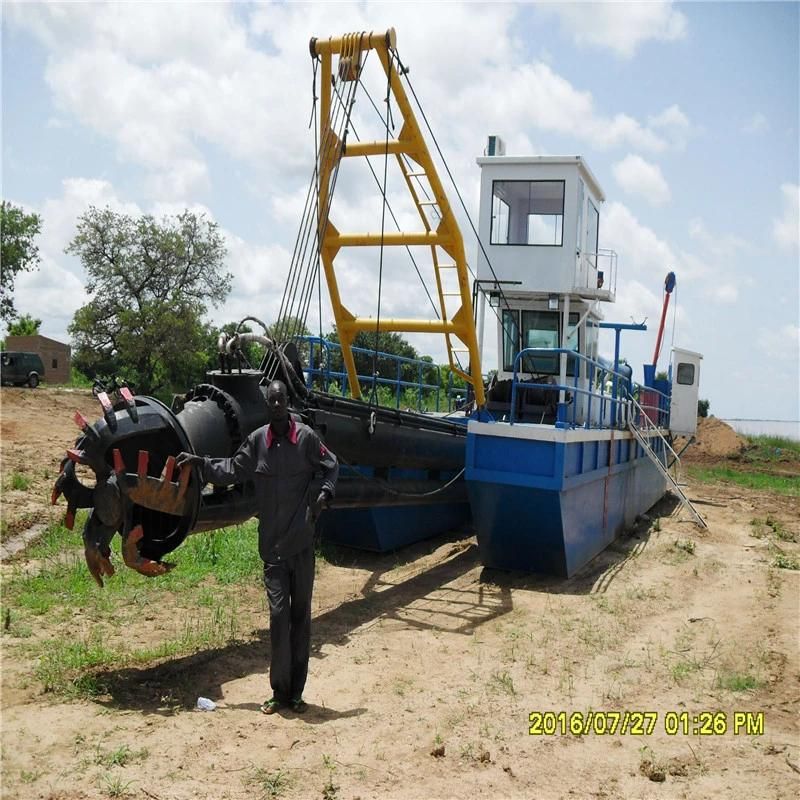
point(36, 337)
point(583, 167)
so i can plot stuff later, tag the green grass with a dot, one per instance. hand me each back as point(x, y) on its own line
point(782, 561)
point(202, 593)
point(736, 682)
point(114, 786)
point(502, 682)
point(69, 666)
point(770, 527)
point(687, 545)
point(270, 783)
point(226, 558)
point(19, 481)
point(760, 465)
point(771, 448)
point(119, 757)
point(779, 484)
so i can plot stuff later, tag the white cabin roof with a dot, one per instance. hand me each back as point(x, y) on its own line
point(583, 168)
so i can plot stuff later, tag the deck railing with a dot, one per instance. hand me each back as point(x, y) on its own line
point(596, 396)
point(591, 267)
point(319, 366)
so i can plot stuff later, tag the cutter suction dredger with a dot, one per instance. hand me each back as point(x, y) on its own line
point(122, 468)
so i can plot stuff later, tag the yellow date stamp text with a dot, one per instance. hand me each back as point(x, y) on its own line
point(645, 723)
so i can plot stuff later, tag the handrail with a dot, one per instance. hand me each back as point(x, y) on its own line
point(646, 423)
point(603, 260)
point(615, 407)
point(327, 374)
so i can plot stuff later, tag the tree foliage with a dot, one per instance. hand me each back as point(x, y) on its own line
point(25, 325)
point(703, 407)
point(18, 252)
point(151, 282)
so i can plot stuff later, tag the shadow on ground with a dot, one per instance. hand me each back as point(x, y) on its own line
point(453, 594)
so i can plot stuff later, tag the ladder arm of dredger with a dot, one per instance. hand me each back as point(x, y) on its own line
point(445, 237)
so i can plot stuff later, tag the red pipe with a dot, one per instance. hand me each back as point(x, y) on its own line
point(669, 285)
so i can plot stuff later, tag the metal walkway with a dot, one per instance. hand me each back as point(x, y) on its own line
point(644, 432)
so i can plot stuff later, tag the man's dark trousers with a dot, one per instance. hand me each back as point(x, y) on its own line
point(289, 583)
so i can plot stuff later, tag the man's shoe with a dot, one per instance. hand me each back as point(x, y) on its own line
point(299, 706)
point(271, 706)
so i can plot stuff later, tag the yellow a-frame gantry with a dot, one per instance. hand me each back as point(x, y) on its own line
point(446, 236)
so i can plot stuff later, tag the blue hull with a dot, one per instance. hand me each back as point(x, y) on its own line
point(387, 528)
point(550, 506)
point(382, 528)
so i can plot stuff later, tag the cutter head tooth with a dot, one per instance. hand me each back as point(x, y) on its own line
point(119, 463)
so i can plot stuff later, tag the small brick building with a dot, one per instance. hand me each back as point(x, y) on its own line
point(55, 355)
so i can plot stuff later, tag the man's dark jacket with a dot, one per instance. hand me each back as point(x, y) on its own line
point(282, 468)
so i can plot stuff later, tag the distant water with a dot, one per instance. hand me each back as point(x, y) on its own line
point(788, 429)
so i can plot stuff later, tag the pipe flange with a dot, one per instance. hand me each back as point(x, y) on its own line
point(223, 401)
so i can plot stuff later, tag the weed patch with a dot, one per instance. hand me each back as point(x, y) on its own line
point(19, 481)
point(271, 783)
point(737, 682)
point(686, 545)
point(760, 481)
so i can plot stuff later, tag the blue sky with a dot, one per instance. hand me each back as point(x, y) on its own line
point(687, 114)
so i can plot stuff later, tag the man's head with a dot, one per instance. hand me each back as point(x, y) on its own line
point(277, 401)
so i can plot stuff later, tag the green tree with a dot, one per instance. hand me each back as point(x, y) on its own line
point(393, 344)
point(25, 325)
point(151, 282)
point(387, 342)
point(252, 351)
point(702, 407)
point(18, 252)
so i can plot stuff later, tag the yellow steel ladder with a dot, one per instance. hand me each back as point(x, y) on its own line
point(440, 230)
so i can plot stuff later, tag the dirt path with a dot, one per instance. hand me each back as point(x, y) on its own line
point(36, 428)
point(438, 655)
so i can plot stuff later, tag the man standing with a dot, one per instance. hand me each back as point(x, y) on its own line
point(282, 458)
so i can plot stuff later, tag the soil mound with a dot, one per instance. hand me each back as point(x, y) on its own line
point(715, 439)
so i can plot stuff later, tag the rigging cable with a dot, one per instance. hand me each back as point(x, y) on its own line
point(313, 124)
point(307, 290)
point(404, 72)
point(391, 211)
point(374, 393)
point(294, 306)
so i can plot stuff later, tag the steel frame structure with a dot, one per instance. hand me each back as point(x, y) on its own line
point(445, 236)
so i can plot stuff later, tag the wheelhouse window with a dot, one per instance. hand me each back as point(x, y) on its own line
point(685, 373)
point(528, 213)
point(537, 329)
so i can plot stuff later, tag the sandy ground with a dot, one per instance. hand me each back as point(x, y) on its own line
point(36, 427)
point(426, 667)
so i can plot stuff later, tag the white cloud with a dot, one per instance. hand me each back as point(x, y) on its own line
point(171, 85)
point(166, 82)
point(786, 230)
point(726, 293)
point(720, 246)
point(758, 123)
point(521, 96)
point(674, 124)
point(621, 27)
point(781, 343)
point(642, 253)
point(639, 177)
point(54, 291)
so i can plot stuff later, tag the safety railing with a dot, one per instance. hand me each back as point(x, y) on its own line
point(596, 396)
point(597, 271)
point(320, 356)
